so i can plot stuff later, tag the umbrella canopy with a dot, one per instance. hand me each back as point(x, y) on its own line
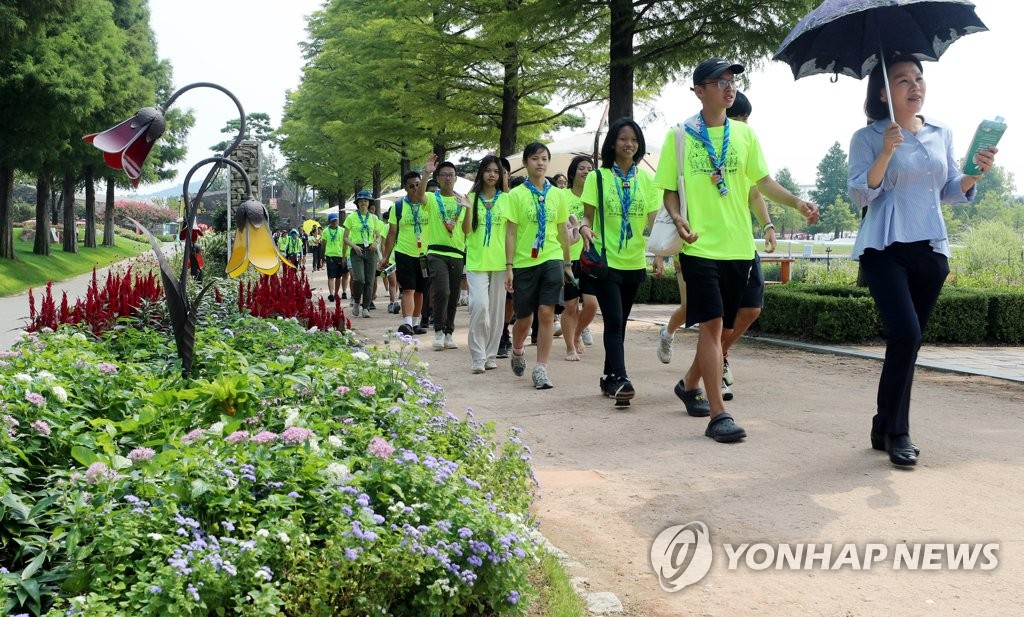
point(308, 225)
point(848, 36)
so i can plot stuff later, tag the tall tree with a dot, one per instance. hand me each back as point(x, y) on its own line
point(831, 188)
point(257, 127)
point(786, 219)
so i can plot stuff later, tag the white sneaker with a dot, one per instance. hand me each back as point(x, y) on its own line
point(490, 364)
point(727, 373)
point(558, 329)
point(355, 310)
point(449, 342)
point(665, 346)
point(478, 367)
point(438, 340)
point(588, 338)
point(726, 391)
point(540, 378)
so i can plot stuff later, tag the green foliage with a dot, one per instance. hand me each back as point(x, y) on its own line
point(1006, 317)
point(787, 220)
point(654, 290)
point(960, 316)
point(992, 256)
point(257, 127)
point(831, 192)
point(829, 313)
point(299, 473)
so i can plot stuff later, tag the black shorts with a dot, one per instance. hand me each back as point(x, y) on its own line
point(753, 295)
point(573, 290)
point(536, 286)
point(586, 283)
point(410, 273)
point(714, 288)
point(337, 267)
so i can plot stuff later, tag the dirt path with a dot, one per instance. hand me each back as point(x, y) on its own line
point(613, 480)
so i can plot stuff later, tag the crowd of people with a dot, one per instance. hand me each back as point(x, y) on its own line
point(516, 248)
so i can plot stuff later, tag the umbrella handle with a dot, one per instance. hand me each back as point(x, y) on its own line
point(885, 78)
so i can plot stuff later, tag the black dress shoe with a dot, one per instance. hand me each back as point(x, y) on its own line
point(901, 450)
point(878, 443)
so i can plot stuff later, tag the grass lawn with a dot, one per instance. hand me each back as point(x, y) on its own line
point(31, 270)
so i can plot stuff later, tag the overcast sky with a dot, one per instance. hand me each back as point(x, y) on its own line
point(252, 48)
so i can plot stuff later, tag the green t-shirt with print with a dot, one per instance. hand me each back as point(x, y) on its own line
point(334, 240)
point(523, 210)
point(646, 198)
point(413, 216)
point(575, 209)
point(483, 253)
point(362, 230)
point(723, 223)
point(444, 212)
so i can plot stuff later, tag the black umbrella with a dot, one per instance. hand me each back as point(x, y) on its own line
point(850, 36)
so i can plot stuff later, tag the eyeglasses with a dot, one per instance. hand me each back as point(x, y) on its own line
point(721, 83)
point(446, 176)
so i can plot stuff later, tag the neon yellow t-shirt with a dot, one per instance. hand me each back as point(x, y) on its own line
point(575, 208)
point(523, 209)
point(723, 223)
point(334, 242)
point(489, 257)
point(362, 232)
point(646, 198)
point(413, 216)
point(439, 240)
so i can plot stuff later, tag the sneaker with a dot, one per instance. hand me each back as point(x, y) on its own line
point(373, 307)
point(665, 346)
point(540, 378)
point(419, 330)
point(504, 348)
point(463, 299)
point(696, 403)
point(727, 372)
point(618, 388)
point(723, 430)
point(449, 342)
point(355, 311)
point(726, 391)
point(438, 340)
point(366, 314)
point(344, 296)
point(490, 364)
point(396, 308)
point(518, 363)
point(588, 338)
point(330, 297)
point(478, 367)
point(406, 329)
point(558, 329)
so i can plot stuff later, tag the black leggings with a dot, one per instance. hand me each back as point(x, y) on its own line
point(615, 297)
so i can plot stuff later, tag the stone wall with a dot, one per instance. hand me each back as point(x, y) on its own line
point(248, 156)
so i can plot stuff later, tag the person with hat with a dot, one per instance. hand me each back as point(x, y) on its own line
point(293, 247)
point(334, 255)
point(407, 224)
point(714, 224)
point(361, 234)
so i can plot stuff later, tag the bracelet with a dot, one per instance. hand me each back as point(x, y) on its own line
point(582, 226)
point(769, 226)
point(508, 265)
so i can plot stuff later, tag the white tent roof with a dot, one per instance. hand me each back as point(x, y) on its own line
point(350, 206)
point(462, 186)
point(563, 151)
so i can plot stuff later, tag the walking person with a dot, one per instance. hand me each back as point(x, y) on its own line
point(484, 226)
point(580, 303)
point(334, 245)
point(407, 221)
point(536, 259)
point(901, 170)
point(361, 232)
point(718, 247)
point(446, 249)
point(293, 248)
point(314, 247)
point(616, 228)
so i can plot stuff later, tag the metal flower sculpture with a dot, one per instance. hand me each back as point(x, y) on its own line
point(253, 243)
point(125, 147)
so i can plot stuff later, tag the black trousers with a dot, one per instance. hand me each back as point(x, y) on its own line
point(445, 279)
point(905, 280)
point(615, 297)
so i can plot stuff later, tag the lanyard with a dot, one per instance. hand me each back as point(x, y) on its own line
point(626, 191)
point(542, 215)
point(415, 209)
point(489, 218)
point(449, 223)
point(365, 222)
point(717, 161)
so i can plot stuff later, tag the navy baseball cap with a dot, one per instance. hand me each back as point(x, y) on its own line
point(713, 68)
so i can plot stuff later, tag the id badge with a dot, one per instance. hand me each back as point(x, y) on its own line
point(534, 249)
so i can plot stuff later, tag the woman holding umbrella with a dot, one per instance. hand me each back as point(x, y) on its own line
point(902, 168)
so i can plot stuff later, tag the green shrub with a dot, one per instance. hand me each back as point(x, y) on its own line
point(830, 313)
point(960, 316)
point(653, 290)
point(1006, 317)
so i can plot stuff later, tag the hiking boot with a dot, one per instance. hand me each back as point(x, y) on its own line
point(665, 346)
point(726, 391)
point(518, 363)
point(727, 372)
point(588, 338)
point(723, 430)
point(449, 342)
point(540, 378)
point(696, 403)
point(438, 340)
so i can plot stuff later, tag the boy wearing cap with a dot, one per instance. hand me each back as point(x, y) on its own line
point(723, 161)
point(361, 233)
point(408, 221)
point(334, 254)
point(293, 248)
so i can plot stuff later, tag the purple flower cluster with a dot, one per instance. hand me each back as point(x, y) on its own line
point(41, 427)
point(192, 436)
point(296, 435)
point(248, 472)
point(368, 391)
point(264, 437)
point(107, 368)
point(380, 448)
point(237, 437)
point(442, 468)
point(35, 398)
point(342, 390)
point(98, 472)
point(141, 454)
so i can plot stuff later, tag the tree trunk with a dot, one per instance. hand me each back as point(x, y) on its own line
point(509, 103)
point(42, 243)
point(55, 198)
point(108, 215)
point(6, 211)
point(620, 74)
point(377, 181)
point(404, 164)
point(90, 208)
point(441, 151)
point(70, 231)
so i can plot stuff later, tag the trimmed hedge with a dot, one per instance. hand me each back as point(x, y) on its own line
point(663, 290)
point(843, 314)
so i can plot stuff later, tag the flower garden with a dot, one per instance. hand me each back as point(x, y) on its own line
point(296, 472)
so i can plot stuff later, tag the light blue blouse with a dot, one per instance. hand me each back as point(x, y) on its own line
point(921, 175)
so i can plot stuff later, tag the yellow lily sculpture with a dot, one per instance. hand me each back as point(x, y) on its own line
point(253, 242)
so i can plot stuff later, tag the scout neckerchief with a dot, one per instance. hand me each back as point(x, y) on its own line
point(449, 223)
point(626, 191)
point(365, 222)
point(333, 233)
point(700, 133)
point(417, 228)
point(542, 215)
point(489, 218)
